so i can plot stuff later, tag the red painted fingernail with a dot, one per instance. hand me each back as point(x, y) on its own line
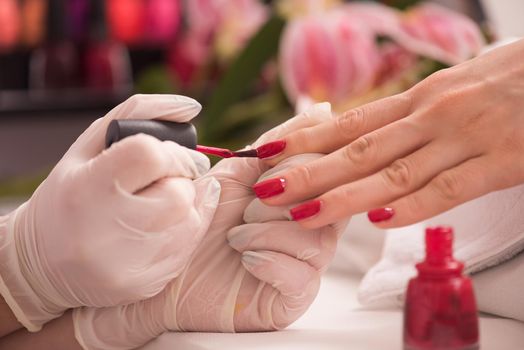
point(381, 214)
point(306, 210)
point(271, 149)
point(269, 188)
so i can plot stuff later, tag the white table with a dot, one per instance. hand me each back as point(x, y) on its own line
point(336, 321)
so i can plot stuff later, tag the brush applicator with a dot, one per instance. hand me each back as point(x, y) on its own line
point(184, 134)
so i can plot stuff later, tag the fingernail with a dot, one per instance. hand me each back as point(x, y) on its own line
point(381, 214)
point(306, 210)
point(252, 259)
point(271, 149)
point(269, 188)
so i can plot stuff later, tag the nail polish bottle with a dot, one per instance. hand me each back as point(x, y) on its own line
point(33, 22)
point(126, 20)
point(440, 310)
point(9, 24)
point(162, 20)
point(77, 19)
point(55, 64)
point(106, 62)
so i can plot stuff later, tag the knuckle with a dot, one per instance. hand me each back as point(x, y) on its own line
point(303, 174)
point(351, 123)
point(362, 150)
point(149, 150)
point(412, 205)
point(449, 186)
point(398, 174)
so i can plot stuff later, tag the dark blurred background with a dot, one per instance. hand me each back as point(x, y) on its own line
point(64, 63)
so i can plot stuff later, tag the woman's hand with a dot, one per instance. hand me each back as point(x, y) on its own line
point(107, 227)
point(455, 136)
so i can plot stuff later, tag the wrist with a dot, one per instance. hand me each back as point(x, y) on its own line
point(17, 288)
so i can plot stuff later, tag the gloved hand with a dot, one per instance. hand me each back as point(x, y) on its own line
point(264, 278)
point(108, 227)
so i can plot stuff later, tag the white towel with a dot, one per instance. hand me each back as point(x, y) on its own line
point(488, 232)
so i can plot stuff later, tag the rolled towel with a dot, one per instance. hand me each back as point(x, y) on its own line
point(489, 231)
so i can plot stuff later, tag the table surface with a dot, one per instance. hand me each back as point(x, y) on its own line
point(336, 321)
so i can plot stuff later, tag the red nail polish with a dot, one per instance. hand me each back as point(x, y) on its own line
point(269, 188)
point(271, 149)
point(381, 214)
point(440, 310)
point(306, 210)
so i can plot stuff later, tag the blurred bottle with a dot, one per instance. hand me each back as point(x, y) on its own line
point(55, 64)
point(106, 62)
point(77, 19)
point(126, 20)
point(33, 22)
point(9, 24)
point(440, 311)
point(162, 20)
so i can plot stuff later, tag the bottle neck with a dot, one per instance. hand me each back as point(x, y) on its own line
point(56, 21)
point(439, 260)
point(97, 21)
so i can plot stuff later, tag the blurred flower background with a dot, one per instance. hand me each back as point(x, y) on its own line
point(250, 63)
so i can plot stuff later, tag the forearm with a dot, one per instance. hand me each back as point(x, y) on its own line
point(56, 335)
point(8, 321)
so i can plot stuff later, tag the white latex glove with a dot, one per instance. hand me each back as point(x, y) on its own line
point(263, 279)
point(108, 227)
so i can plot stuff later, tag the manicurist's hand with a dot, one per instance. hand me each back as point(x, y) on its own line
point(107, 227)
point(455, 136)
point(254, 270)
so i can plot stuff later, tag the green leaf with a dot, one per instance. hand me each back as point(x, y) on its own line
point(241, 75)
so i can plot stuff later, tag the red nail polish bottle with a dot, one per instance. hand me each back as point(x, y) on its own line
point(55, 65)
point(440, 311)
point(107, 64)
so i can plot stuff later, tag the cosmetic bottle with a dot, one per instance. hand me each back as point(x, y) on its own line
point(9, 24)
point(33, 22)
point(162, 20)
point(106, 62)
point(440, 310)
point(77, 19)
point(54, 65)
point(126, 20)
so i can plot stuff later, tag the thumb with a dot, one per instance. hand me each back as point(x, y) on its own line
point(296, 281)
point(175, 108)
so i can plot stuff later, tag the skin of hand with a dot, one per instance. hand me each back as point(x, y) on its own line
point(107, 227)
point(255, 270)
point(457, 135)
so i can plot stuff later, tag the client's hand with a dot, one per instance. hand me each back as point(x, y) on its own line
point(107, 227)
point(255, 270)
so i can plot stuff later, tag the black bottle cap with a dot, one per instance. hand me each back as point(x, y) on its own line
point(182, 133)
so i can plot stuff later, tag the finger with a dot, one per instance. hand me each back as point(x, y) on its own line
point(314, 115)
point(138, 161)
point(337, 132)
point(296, 282)
point(450, 188)
point(361, 158)
point(399, 179)
point(258, 212)
point(176, 108)
point(316, 247)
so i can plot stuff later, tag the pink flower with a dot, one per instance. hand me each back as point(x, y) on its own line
point(456, 36)
point(428, 30)
point(326, 57)
point(215, 29)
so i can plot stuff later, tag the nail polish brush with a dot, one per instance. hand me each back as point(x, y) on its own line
point(184, 134)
